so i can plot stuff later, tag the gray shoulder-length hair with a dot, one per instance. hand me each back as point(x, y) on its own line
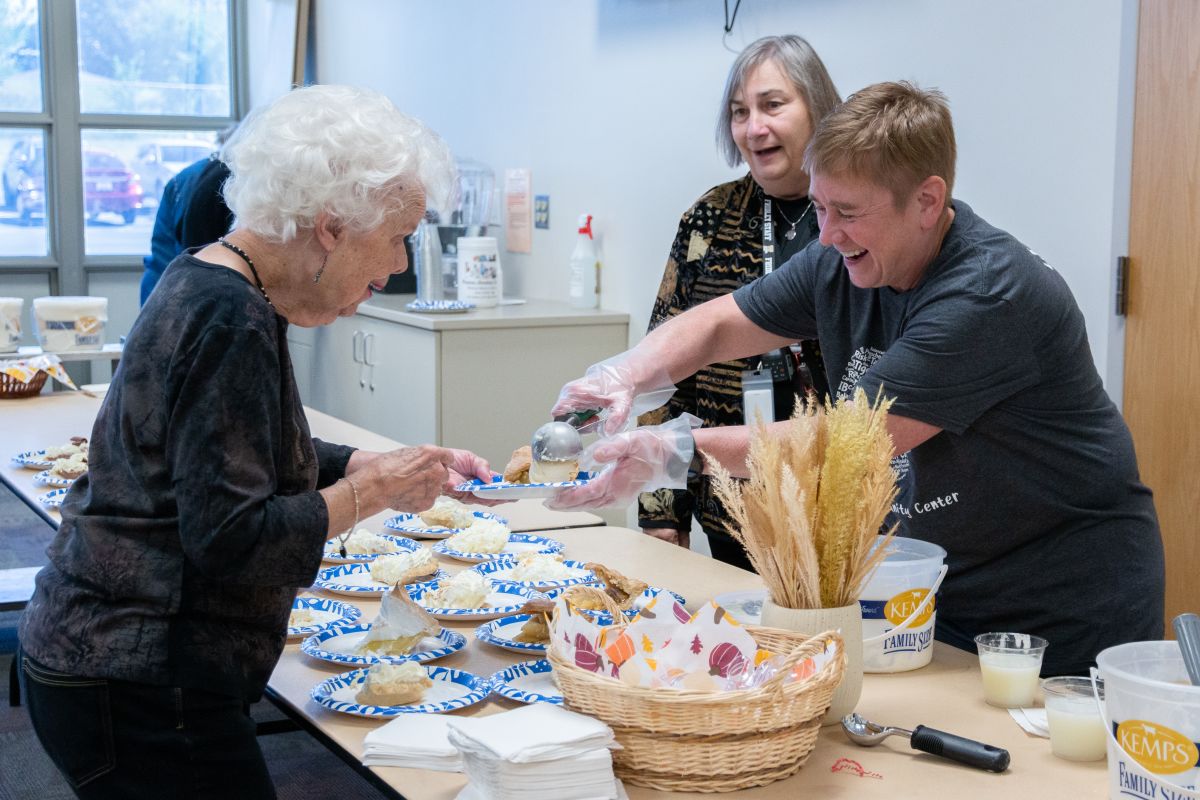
point(797, 60)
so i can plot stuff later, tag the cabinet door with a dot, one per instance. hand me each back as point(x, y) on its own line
point(498, 384)
point(400, 398)
point(339, 383)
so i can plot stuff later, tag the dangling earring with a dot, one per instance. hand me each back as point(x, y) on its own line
point(317, 277)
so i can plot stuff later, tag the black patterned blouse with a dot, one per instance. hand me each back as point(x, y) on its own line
point(181, 550)
point(717, 249)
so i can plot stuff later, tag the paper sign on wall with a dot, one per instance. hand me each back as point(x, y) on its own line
point(518, 208)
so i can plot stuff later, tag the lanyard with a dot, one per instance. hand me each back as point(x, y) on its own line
point(768, 238)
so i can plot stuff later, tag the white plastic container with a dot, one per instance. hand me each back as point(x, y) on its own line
point(1152, 715)
point(70, 324)
point(585, 268)
point(479, 279)
point(899, 610)
point(10, 323)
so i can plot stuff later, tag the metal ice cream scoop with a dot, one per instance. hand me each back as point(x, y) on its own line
point(1187, 633)
point(863, 732)
point(560, 440)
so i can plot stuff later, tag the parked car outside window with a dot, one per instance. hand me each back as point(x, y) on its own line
point(158, 162)
point(109, 185)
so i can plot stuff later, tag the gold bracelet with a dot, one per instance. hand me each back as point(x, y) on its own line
point(342, 538)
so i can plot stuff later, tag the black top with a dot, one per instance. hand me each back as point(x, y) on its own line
point(181, 550)
point(191, 212)
point(1032, 486)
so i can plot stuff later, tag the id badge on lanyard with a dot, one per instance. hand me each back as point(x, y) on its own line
point(768, 238)
point(774, 372)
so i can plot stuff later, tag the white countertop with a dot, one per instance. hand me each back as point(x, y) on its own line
point(530, 314)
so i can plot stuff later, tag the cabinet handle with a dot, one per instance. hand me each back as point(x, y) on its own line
point(369, 356)
point(369, 349)
point(355, 341)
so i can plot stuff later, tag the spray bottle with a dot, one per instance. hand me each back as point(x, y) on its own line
point(585, 267)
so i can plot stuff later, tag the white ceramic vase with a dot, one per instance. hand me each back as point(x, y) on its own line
point(847, 620)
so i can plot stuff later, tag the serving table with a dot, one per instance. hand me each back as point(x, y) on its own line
point(946, 695)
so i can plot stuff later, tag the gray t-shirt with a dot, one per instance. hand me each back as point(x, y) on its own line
point(1032, 486)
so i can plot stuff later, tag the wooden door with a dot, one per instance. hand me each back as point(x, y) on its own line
point(1162, 335)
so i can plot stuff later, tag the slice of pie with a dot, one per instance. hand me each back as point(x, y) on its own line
point(394, 685)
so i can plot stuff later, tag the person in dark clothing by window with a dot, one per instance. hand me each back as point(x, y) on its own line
point(191, 213)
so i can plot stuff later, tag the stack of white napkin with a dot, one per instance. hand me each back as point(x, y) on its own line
point(413, 740)
point(1032, 721)
point(539, 751)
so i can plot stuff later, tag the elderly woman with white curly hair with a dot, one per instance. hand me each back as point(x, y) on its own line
point(165, 604)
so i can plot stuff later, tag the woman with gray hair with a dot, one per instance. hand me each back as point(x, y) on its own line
point(777, 91)
point(165, 604)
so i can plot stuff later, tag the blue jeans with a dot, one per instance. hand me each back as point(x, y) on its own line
point(115, 739)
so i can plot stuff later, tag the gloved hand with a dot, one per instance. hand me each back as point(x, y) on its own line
point(622, 387)
point(643, 459)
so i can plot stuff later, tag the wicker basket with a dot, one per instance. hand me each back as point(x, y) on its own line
point(681, 740)
point(11, 387)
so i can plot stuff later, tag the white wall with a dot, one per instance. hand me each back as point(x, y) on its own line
point(611, 104)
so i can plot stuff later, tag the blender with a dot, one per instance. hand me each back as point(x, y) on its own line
point(466, 214)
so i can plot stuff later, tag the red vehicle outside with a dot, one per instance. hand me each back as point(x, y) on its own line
point(110, 186)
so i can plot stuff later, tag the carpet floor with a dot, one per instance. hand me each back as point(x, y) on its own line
point(302, 768)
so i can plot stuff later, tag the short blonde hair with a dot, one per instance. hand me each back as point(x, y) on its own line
point(893, 134)
point(341, 150)
point(798, 61)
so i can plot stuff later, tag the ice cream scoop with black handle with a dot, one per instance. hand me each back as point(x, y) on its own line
point(863, 732)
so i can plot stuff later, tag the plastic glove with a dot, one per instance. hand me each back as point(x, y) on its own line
point(622, 387)
point(654, 457)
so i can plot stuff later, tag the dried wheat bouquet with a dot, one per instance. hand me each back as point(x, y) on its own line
point(815, 500)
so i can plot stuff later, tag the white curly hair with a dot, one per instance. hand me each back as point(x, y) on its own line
point(339, 149)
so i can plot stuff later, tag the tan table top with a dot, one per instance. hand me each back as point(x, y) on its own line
point(46, 420)
point(946, 695)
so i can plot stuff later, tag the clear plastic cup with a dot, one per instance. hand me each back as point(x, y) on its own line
point(1076, 727)
point(1010, 663)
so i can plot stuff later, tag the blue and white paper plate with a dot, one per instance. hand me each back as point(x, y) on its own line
point(517, 543)
point(403, 545)
point(503, 600)
point(502, 633)
point(54, 498)
point(502, 569)
point(439, 306)
point(44, 478)
point(528, 682)
point(413, 525)
point(500, 489)
point(33, 459)
point(355, 579)
point(339, 644)
point(452, 689)
point(325, 612)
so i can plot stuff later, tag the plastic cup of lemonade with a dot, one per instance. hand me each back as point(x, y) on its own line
point(1010, 663)
point(1076, 727)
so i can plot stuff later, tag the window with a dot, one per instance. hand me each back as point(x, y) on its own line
point(101, 103)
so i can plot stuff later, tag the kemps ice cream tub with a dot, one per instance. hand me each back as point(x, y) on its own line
point(1152, 715)
point(10, 323)
point(69, 324)
point(899, 608)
